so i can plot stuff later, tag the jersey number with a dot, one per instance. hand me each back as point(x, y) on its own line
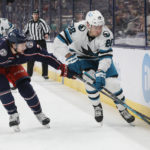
point(109, 43)
point(71, 29)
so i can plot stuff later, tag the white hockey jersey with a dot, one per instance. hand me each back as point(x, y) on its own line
point(5, 27)
point(74, 39)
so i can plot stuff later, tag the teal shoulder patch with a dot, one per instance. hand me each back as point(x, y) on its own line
point(81, 27)
point(106, 34)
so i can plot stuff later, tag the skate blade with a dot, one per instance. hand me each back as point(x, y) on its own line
point(132, 124)
point(100, 124)
point(47, 126)
point(16, 128)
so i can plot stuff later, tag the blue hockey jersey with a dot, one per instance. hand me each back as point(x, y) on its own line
point(32, 52)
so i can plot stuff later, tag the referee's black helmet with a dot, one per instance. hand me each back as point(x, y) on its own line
point(35, 11)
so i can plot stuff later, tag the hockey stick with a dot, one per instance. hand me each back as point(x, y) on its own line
point(113, 97)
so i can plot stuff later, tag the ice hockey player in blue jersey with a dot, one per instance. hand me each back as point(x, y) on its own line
point(15, 50)
point(87, 47)
point(5, 28)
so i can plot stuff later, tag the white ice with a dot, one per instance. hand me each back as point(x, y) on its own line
point(72, 124)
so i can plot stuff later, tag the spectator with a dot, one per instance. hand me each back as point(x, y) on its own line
point(78, 16)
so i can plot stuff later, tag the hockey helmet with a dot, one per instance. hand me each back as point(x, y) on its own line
point(95, 18)
point(36, 11)
point(16, 37)
point(4, 23)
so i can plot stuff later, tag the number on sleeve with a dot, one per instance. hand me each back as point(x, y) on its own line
point(71, 29)
point(109, 43)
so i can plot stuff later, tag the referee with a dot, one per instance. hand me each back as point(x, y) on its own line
point(38, 31)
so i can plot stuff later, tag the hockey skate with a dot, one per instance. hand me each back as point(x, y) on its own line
point(127, 116)
point(98, 113)
point(14, 122)
point(43, 119)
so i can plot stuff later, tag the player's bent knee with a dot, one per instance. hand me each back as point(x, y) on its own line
point(22, 81)
point(112, 84)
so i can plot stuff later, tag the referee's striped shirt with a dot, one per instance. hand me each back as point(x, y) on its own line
point(37, 29)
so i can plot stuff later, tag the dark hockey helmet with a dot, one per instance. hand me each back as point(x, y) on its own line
point(16, 37)
point(36, 11)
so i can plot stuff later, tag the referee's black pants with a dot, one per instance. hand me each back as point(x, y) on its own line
point(30, 64)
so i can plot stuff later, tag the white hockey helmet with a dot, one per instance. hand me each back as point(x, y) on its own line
point(95, 18)
point(4, 22)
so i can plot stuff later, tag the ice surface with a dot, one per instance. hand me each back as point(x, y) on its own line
point(72, 124)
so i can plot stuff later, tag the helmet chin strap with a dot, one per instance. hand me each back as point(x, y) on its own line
point(89, 29)
point(88, 26)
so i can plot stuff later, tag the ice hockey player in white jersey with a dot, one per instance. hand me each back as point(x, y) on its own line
point(87, 47)
point(5, 27)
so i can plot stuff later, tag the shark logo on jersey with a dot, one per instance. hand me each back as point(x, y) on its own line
point(3, 52)
point(106, 34)
point(87, 51)
point(82, 27)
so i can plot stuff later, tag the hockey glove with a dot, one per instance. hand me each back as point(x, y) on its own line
point(65, 72)
point(74, 64)
point(100, 80)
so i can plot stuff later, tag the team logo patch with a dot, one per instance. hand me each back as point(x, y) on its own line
point(12, 34)
point(106, 34)
point(82, 27)
point(39, 26)
point(90, 14)
point(29, 44)
point(99, 17)
point(3, 52)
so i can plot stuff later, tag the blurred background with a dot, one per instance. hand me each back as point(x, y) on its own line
point(129, 20)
